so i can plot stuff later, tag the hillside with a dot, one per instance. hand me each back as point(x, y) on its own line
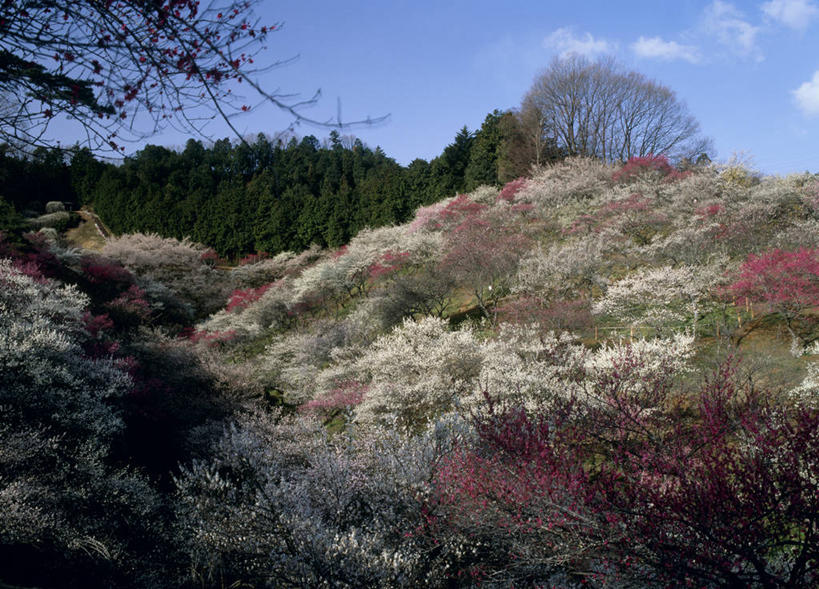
point(598, 376)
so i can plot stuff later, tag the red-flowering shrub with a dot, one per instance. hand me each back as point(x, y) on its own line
point(435, 217)
point(243, 298)
point(460, 208)
point(253, 258)
point(30, 269)
point(96, 325)
point(104, 271)
point(210, 338)
point(511, 188)
point(388, 263)
point(339, 252)
point(99, 328)
point(344, 396)
point(211, 258)
point(709, 211)
point(130, 307)
point(724, 497)
point(637, 166)
point(38, 261)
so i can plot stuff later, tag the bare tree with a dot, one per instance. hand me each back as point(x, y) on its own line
point(596, 109)
point(125, 69)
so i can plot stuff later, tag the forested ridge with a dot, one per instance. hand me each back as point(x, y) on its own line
point(265, 195)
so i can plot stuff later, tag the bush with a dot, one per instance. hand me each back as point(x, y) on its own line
point(54, 206)
point(59, 221)
point(648, 165)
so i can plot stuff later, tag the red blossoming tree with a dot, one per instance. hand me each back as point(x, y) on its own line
point(484, 252)
point(788, 281)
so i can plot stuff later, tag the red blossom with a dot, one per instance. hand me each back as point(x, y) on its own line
point(253, 258)
point(388, 263)
point(511, 188)
point(344, 395)
point(210, 338)
point(637, 166)
point(101, 270)
point(243, 298)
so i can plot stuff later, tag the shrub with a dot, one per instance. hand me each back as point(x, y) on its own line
point(650, 164)
point(242, 299)
point(511, 188)
point(54, 206)
point(103, 271)
point(58, 220)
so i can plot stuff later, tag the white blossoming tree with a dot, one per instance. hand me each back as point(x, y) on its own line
point(418, 370)
point(63, 502)
point(661, 298)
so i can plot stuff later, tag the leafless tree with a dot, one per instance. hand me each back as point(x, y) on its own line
point(595, 108)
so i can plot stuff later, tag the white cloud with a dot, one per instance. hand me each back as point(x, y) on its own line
point(565, 41)
point(656, 48)
point(807, 96)
point(796, 14)
point(727, 24)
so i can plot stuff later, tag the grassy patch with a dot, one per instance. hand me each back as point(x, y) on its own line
point(85, 235)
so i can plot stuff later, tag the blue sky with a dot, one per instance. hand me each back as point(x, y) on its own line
point(748, 71)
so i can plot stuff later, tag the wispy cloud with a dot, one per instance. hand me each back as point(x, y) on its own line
point(657, 48)
point(725, 22)
point(807, 96)
point(566, 43)
point(796, 14)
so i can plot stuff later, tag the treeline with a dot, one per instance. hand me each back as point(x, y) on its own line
point(27, 183)
point(268, 195)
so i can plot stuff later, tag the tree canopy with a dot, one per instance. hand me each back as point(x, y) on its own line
point(597, 109)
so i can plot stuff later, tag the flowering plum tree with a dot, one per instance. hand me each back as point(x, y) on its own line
point(63, 499)
point(280, 503)
point(786, 280)
point(183, 267)
point(483, 255)
point(661, 298)
point(417, 371)
point(566, 270)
